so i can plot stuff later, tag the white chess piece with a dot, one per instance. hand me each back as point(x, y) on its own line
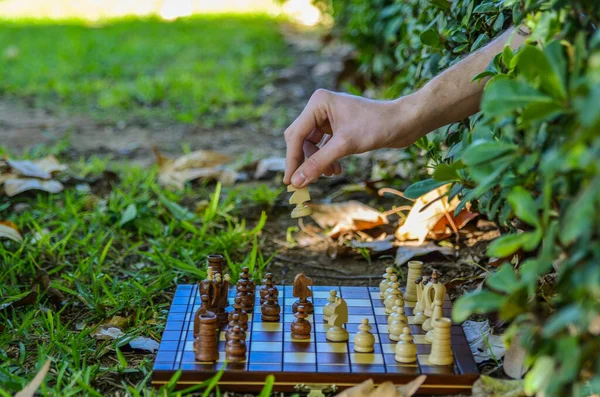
point(406, 350)
point(383, 285)
point(393, 295)
point(328, 308)
point(364, 340)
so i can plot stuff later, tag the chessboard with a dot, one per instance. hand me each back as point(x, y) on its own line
point(316, 362)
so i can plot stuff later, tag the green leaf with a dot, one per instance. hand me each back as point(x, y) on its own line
point(541, 112)
point(485, 151)
point(540, 375)
point(267, 389)
point(573, 314)
point(499, 23)
point(481, 40)
point(514, 304)
point(579, 216)
point(535, 66)
point(180, 213)
point(441, 4)
point(504, 280)
point(444, 172)
point(524, 206)
point(418, 189)
point(503, 96)
point(507, 55)
point(430, 37)
point(507, 245)
point(129, 215)
point(476, 303)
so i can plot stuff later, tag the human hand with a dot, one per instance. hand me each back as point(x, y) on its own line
point(335, 125)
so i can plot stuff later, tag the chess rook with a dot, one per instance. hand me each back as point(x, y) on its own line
point(415, 270)
point(205, 344)
point(441, 351)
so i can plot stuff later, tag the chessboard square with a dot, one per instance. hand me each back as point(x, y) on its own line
point(388, 348)
point(299, 367)
point(409, 311)
point(169, 346)
point(189, 336)
point(382, 328)
point(188, 357)
point(368, 368)
point(266, 346)
point(221, 358)
point(171, 335)
point(222, 336)
point(180, 300)
point(364, 294)
point(319, 317)
point(375, 294)
point(267, 327)
point(333, 368)
point(330, 347)
point(419, 340)
point(377, 303)
point(265, 357)
point(290, 301)
point(190, 326)
point(321, 326)
point(175, 317)
point(366, 358)
point(381, 319)
point(318, 310)
point(333, 358)
point(260, 367)
point(376, 348)
point(322, 337)
point(188, 346)
point(357, 319)
point(299, 357)
point(321, 294)
point(179, 308)
point(287, 337)
point(423, 349)
point(379, 311)
point(358, 303)
point(416, 329)
point(164, 356)
point(298, 347)
point(265, 337)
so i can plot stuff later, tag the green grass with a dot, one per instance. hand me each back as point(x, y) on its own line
point(205, 69)
point(108, 264)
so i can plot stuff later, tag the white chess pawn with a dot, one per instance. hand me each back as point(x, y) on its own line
point(364, 340)
point(437, 313)
point(328, 308)
point(393, 295)
point(397, 313)
point(383, 285)
point(395, 327)
point(406, 350)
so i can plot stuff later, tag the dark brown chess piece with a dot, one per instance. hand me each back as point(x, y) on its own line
point(302, 292)
point(201, 309)
point(222, 300)
point(235, 348)
point(245, 275)
point(270, 310)
point(268, 283)
point(243, 316)
point(301, 327)
point(234, 322)
point(216, 263)
point(247, 298)
point(205, 344)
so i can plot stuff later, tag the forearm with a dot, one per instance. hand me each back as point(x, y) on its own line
point(452, 96)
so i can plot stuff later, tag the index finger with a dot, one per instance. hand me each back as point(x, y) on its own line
point(310, 118)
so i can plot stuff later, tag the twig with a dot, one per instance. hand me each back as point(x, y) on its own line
point(385, 190)
point(397, 210)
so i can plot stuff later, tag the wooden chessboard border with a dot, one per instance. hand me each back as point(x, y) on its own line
point(238, 376)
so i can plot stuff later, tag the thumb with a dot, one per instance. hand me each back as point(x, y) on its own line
point(316, 164)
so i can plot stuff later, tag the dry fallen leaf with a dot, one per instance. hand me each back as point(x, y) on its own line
point(42, 169)
point(269, 166)
point(444, 227)
point(420, 220)
point(386, 389)
point(144, 343)
point(347, 216)
point(10, 231)
point(484, 345)
point(383, 245)
point(12, 187)
point(201, 164)
point(108, 333)
point(31, 388)
point(410, 249)
point(514, 360)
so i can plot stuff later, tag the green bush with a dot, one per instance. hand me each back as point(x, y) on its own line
point(529, 160)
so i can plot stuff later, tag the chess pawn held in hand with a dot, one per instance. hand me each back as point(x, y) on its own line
point(300, 327)
point(364, 341)
point(235, 347)
point(328, 308)
point(384, 284)
point(270, 310)
point(406, 350)
point(299, 197)
point(415, 270)
point(441, 350)
point(336, 332)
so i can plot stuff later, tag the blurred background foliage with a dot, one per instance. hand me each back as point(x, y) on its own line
point(528, 160)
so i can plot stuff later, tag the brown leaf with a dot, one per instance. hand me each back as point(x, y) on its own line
point(410, 249)
point(10, 231)
point(425, 213)
point(514, 360)
point(347, 216)
point(42, 169)
point(31, 388)
point(12, 187)
point(201, 164)
point(443, 228)
point(269, 166)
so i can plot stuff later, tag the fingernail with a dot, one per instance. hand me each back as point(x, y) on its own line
point(298, 179)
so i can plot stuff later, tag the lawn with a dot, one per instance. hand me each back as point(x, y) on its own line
point(203, 69)
point(114, 253)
